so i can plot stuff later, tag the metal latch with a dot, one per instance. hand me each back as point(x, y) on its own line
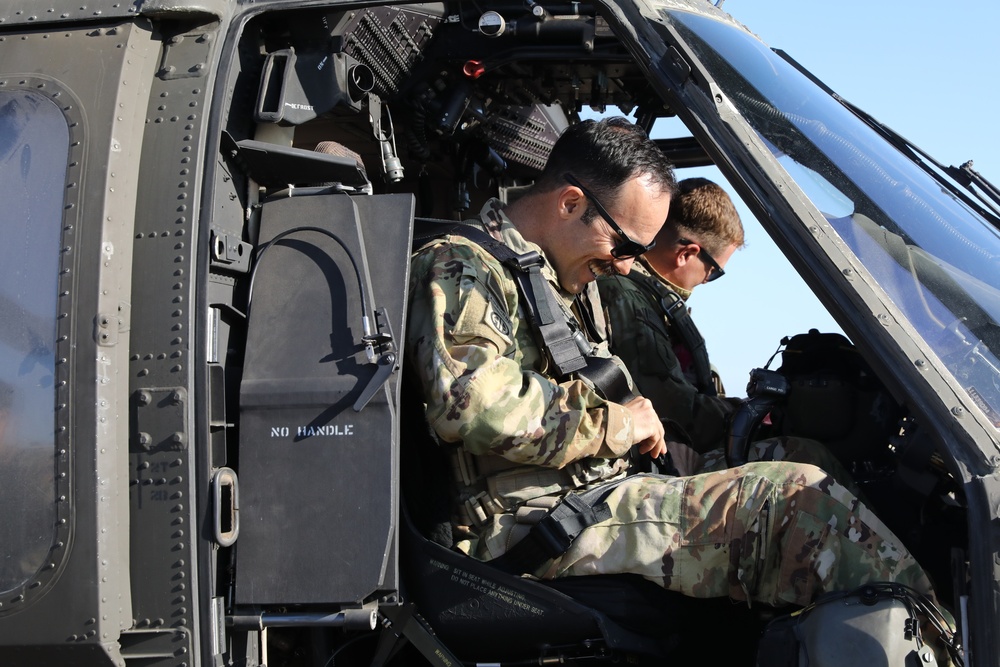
point(230, 253)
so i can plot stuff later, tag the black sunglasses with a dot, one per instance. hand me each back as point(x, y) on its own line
point(715, 271)
point(626, 247)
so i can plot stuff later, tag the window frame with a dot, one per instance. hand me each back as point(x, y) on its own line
point(35, 585)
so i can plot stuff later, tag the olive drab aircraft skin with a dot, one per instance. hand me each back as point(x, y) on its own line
point(206, 454)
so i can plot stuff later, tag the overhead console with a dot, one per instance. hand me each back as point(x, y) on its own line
point(448, 101)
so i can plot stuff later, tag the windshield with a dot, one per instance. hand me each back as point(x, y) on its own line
point(935, 257)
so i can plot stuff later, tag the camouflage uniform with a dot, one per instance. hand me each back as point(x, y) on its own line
point(641, 337)
point(765, 531)
point(774, 532)
point(784, 448)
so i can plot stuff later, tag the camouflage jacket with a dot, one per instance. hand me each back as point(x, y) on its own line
point(642, 338)
point(485, 380)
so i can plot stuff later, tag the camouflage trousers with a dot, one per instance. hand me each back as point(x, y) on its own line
point(786, 448)
point(772, 532)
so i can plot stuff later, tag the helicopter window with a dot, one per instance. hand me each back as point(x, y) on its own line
point(910, 233)
point(34, 143)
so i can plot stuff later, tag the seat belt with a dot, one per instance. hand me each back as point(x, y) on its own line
point(552, 536)
point(567, 347)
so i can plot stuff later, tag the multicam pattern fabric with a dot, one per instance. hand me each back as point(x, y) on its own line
point(641, 338)
point(772, 532)
point(775, 532)
point(483, 375)
point(789, 449)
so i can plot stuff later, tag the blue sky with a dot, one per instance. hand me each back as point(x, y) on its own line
point(925, 69)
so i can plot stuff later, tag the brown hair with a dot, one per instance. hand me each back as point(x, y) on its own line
point(703, 212)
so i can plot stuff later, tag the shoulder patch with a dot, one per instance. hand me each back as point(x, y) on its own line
point(482, 316)
point(499, 319)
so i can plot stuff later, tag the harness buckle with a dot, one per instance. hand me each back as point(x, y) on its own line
point(671, 307)
point(527, 260)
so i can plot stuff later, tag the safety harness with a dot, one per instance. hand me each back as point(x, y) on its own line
point(562, 340)
point(569, 353)
point(679, 320)
point(552, 536)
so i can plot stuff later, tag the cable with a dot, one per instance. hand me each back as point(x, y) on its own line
point(365, 309)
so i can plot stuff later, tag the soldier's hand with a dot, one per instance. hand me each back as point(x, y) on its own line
point(647, 428)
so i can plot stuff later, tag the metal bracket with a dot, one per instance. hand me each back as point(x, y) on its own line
point(230, 253)
point(152, 645)
point(676, 63)
point(185, 56)
point(386, 362)
point(106, 330)
point(405, 623)
point(108, 326)
point(161, 419)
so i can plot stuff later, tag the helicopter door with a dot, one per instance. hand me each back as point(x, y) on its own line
point(318, 451)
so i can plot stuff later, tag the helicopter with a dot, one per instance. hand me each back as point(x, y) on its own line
point(207, 451)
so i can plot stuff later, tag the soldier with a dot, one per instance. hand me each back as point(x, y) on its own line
point(523, 436)
point(653, 333)
point(652, 329)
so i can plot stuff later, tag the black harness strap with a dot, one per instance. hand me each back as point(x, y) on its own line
point(609, 380)
point(566, 346)
point(679, 319)
point(562, 343)
point(552, 536)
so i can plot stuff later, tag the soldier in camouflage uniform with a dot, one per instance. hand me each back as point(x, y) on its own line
point(522, 438)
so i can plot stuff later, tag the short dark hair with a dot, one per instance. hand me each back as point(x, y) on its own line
point(603, 155)
point(703, 211)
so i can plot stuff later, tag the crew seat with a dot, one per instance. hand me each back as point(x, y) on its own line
point(485, 615)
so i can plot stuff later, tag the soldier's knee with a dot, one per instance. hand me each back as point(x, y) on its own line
point(788, 472)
